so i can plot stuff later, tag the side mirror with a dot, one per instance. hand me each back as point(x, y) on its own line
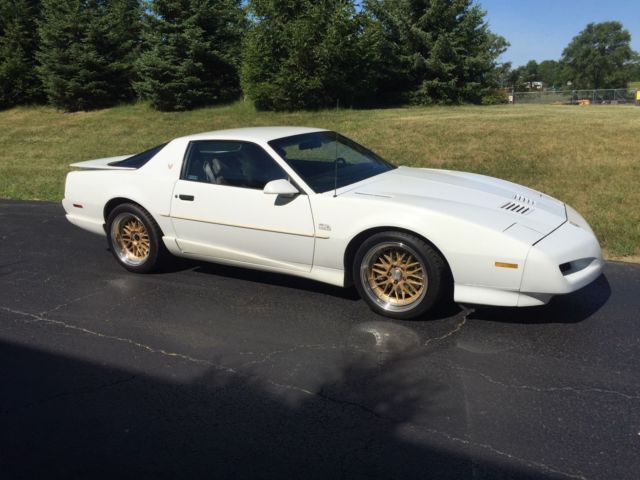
point(281, 187)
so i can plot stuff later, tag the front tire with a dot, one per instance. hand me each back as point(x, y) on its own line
point(399, 275)
point(134, 238)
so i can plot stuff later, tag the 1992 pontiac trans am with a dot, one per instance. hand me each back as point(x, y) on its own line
point(312, 203)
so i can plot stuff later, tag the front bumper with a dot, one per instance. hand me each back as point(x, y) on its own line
point(564, 261)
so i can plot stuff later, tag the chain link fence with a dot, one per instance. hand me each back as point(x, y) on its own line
point(576, 97)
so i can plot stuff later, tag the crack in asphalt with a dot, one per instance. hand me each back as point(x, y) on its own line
point(181, 356)
point(66, 304)
point(575, 390)
point(69, 393)
point(453, 331)
point(269, 356)
point(486, 446)
point(320, 394)
point(357, 405)
point(41, 318)
point(452, 438)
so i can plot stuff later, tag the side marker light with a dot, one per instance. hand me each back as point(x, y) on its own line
point(506, 265)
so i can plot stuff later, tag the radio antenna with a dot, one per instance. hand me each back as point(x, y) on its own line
point(335, 166)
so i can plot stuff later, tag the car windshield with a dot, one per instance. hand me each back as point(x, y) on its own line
point(327, 160)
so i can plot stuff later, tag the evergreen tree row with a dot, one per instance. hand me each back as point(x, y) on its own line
point(19, 82)
point(283, 55)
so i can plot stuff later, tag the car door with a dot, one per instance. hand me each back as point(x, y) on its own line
point(219, 209)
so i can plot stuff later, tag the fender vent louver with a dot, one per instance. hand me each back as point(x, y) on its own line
point(523, 199)
point(517, 208)
point(520, 204)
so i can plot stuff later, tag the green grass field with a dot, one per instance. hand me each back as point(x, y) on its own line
point(586, 156)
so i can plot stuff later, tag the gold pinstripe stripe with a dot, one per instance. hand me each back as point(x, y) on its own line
point(297, 234)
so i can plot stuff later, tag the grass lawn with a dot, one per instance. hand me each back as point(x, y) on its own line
point(586, 156)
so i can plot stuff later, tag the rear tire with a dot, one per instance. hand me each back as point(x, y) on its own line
point(399, 275)
point(134, 238)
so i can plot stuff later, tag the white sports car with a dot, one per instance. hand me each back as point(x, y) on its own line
point(312, 203)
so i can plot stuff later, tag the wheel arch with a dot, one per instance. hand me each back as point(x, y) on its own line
point(355, 242)
point(114, 202)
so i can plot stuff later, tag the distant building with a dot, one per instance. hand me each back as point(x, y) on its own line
point(534, 85)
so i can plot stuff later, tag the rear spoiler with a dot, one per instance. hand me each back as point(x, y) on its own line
point(102, 164)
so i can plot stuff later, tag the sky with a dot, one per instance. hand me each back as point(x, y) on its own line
point(541, 29)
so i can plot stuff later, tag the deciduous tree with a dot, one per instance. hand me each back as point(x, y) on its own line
point(551, 73)
point(599, 56)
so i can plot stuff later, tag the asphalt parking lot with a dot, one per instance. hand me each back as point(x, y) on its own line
point(216, 372)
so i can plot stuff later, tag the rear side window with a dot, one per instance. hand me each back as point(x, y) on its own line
point(232, 163)
point(138, 160)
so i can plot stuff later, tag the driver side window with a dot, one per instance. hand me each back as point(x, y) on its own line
point(232, 163)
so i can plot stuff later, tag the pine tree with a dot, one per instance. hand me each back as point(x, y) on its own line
point(192, 53)
point(19, 83)
point(87, 52)
point(443, 49)
point(304, 54)
point(385, 78)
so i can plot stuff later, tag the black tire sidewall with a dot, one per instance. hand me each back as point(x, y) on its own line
point(155, 240)
point(433, 262)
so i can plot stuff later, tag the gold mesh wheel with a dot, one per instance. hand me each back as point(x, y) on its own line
point(394, 276)
point(130, 238)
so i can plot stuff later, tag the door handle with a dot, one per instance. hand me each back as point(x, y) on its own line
point(188, 198)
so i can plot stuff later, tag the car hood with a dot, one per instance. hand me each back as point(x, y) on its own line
point(478, 198)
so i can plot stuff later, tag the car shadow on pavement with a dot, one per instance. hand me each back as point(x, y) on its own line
point(571, 308)
point(444, 309)
point(258, 276)
point(62, 417)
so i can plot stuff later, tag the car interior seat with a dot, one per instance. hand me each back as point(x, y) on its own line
point(207, 169)
point(226, 170)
